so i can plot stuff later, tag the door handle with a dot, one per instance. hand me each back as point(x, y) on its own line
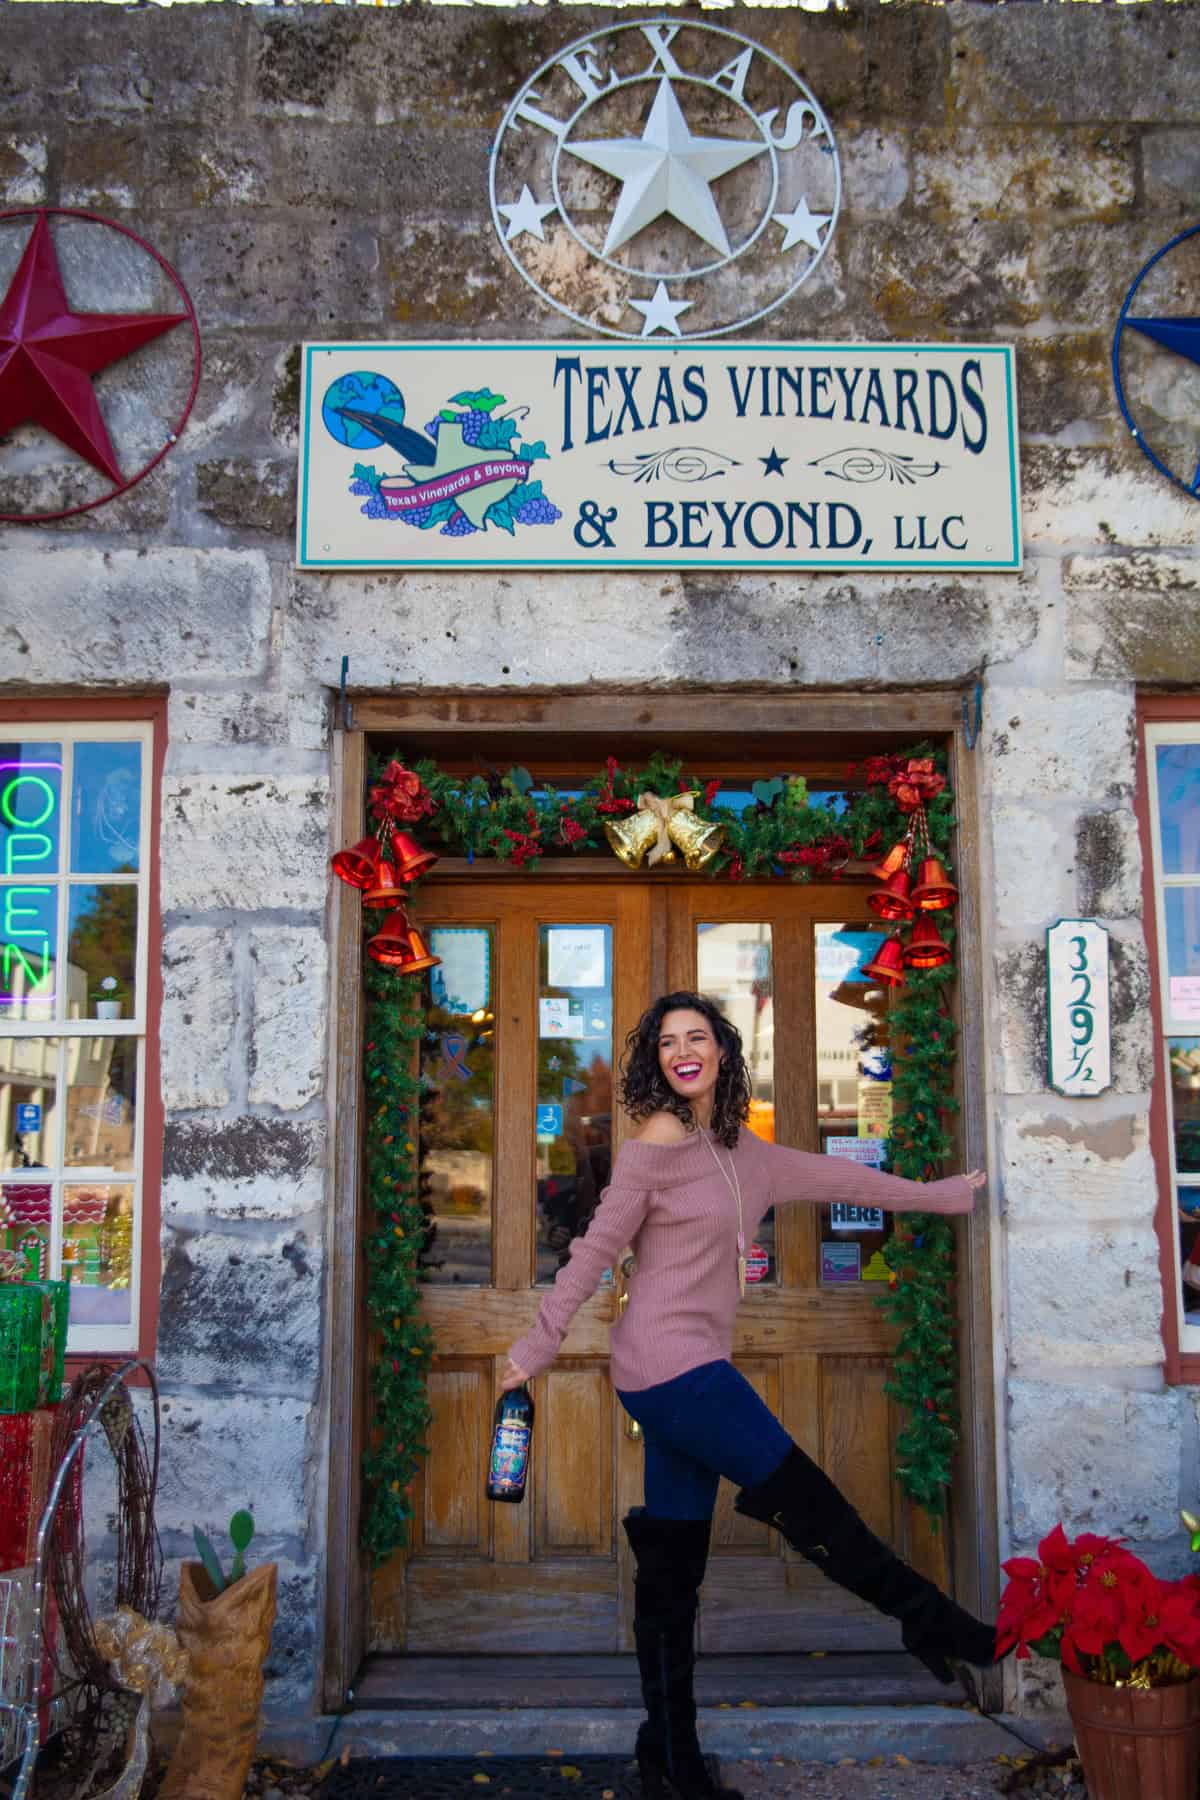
point(632, 1428)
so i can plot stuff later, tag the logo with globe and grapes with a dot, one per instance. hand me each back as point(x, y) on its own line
point(467, 470)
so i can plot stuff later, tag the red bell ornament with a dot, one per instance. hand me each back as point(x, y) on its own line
point(894, 860)
point(893, 900)
point(887, 964)
point(387, 889)
point(419, 954)
point(925, 948)
point(400, 946)
point(357, 866)
point(389, 946)
point(934, 889)
point(408, 858)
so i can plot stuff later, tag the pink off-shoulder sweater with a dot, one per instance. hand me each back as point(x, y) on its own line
point(670, 1202)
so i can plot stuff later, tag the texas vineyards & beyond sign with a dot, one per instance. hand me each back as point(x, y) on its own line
point(494, 455)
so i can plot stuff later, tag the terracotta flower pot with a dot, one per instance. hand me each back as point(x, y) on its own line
point(1133, 1742)
point(227, 1637)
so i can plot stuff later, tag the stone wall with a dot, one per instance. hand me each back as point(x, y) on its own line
point(322, 173)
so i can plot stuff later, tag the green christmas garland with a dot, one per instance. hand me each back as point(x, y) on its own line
point(503, 816)
point(403, 1343)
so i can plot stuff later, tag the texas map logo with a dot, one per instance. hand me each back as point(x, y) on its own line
point(467, 470)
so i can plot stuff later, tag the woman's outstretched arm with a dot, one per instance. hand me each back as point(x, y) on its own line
point(824, 1180)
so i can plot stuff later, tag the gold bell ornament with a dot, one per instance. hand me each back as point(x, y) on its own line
point(661, 825)
point(632, 837)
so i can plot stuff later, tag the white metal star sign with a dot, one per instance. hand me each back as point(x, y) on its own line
point(665, 178)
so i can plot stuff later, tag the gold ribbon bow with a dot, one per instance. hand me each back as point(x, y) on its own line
point(664, 809)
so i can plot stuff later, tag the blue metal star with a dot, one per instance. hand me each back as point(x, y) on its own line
point(1183, 337)
point(773, 464)
point(1180, 335)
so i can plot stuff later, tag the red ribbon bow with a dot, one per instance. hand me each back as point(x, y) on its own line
point(401, 796)
point(917, 782)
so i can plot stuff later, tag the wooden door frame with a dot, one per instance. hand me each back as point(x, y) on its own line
point(645, 721)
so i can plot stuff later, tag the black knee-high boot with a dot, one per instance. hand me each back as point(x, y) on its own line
point(671, 1556)
point(817, 1520)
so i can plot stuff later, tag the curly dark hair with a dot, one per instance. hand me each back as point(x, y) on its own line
point(644, 1089)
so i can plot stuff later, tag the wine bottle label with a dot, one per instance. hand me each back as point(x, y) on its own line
point(510, 1456)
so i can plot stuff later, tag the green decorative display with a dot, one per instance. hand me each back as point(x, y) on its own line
point(403, 1343)
point(920, 1295)
point(503, 816)
point(33, 1342)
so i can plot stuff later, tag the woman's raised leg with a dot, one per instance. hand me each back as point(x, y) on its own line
point(817, 1520)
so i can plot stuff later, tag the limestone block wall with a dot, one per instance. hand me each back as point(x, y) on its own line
point(321, 172)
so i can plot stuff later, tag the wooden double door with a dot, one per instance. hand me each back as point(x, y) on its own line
point(540, 982)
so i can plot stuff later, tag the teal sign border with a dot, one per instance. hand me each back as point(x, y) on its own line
point(606, 347)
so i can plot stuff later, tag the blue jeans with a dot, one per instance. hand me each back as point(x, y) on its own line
point(706, 1423)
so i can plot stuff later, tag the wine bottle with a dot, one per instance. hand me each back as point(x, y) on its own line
point(512, 1441)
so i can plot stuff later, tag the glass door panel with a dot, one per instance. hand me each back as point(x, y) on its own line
point(458, 1102)
point(735, 967)
point(854, 1092)
point(574, 1085)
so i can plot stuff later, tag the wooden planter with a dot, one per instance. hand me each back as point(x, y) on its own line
point(1135, 1743)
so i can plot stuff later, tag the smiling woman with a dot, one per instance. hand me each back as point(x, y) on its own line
point(685, 1192)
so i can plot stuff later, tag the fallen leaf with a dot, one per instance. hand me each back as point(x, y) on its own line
point(344, 1758)
point(816, 1655)
point(481, 1778)
point(608, 1794)
point(554, 1753)
point(749, 1705)
point(724, 1705)
point(876, 1762)
point(569, 1772)
point(903, 1761)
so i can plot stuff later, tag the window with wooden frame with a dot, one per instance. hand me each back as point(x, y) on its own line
point(1169, 811)
point(80, 1111)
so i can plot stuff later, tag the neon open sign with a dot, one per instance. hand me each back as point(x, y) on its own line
point(29, 809)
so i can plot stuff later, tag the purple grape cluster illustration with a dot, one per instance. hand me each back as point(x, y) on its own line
point(537, 510)
point(474, 415)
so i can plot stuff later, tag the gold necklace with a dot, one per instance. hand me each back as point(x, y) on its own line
point(734, 1185)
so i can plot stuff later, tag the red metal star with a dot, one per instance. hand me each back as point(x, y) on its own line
point(48, 354)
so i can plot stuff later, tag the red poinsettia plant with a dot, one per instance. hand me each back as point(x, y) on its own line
point(1096, 1607)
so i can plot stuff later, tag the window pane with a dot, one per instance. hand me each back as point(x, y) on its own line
point(106, 808)
point(28, 1092)
point(458, 1120)
point(573, 1126)
point(28, 950)
point(1181, 913)
point(26, 1208)
point(101, 951)
point(854, 1091)
point(1184, 1058)
point(734, 967)
point(30, 809)
point(1177, 767)
point(97, 1252)
point(101, 1102)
